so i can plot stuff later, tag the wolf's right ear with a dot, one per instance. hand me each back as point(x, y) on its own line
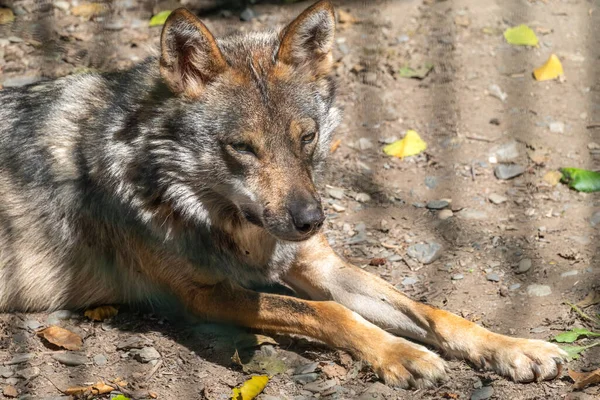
point(189, 56)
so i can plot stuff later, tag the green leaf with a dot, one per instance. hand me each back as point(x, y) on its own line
point(581, 180)
point(574, 334)
point(160, 18)
point(575, 351)
point(120, 397)
point(418, 73)
point(521, 35)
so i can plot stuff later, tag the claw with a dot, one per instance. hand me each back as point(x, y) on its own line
point(537, 372)
point(559, 366)
point(482, 362)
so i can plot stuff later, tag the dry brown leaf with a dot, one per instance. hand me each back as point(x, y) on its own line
point(6, 16)
point(61, 337)
point(345, 358)
point(89, 10)
point(584, 379)
point(449, 395)
point(101, 313)
point(344, 17)
point(95, 389)
point(10, 391)
point(591, 299)
point(334, 370)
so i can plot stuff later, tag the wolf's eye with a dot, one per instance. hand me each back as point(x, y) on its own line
point(243, 148)
point(309, 137)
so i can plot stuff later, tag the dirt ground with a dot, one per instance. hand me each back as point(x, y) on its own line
point(544, 125)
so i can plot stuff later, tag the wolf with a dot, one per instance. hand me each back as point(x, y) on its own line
point(195, 174)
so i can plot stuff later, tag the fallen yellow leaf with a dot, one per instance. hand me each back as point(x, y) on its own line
point(411, 145)
point(521, 35)
point(552, 177)
point(89, 10)
point(251, 388)
point(61, 337)
point(552, 69)
point(101, 313)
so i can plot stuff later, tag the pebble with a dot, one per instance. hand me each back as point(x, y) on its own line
point(6, 372)
point(514, 286)
point(538, 290)
point(437, 204)
point(305, 378)
point(71, 359)
point(20, 358)
point(492, 276)
point(364, 144)
point(57, 316)
point(569, 273)
point(362, 198)
point(135, 342)
point(100, 359)
point(506, 152)
point(28, 373)
point(469, 213)
point(508, 171)
point(395, 257)
point(338, 208)
point(524, 266)
point(335, 193)
point(425, 253)
point(147, 354)
point(409, 281)
point(445, 214)
point(32, 324)
point(306, 368)
point(539, 329)
point(19, 81)
point(61, 5)
point(9, 391)
point(497, 92)
point(482, 393)
point(496, 198)
point(247, 15)
point(595, 219)
point(557, 127)
point(321, 386)
point(457, 277)
point(431, 182)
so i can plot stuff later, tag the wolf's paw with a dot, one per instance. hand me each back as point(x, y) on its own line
point(524, 360)
point(405, 364)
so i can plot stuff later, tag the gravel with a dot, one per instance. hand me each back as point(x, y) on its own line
point(70, 359)
point(147, 354)
point(538, 290)
point(524, 266)
point(508, 171)
point(497, 199)
point(425, 253)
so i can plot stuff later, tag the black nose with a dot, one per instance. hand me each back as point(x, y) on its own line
point(307, 215)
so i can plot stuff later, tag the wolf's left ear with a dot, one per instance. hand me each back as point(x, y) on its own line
point(189, 55)
point(308, 40)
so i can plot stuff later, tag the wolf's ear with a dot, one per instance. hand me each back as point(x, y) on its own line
point(308, 40)
point(189, 56)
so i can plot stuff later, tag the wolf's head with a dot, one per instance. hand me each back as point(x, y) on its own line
point(256, 115)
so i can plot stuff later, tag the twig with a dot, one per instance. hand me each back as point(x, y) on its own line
point(593, 125)
point(480, 138)
point(154, 369)
point(581, 313)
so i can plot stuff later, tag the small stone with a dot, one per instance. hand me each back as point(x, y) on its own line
point(495, 91)
point(100, 359)
point(338, 208)
point(506, 152)
point(514, 287)
point(495, 121)
point(508, 171)
point(32, 324)
point(364, 144)
point(394, 258)
point(482, 393)
point(557, 127)
point(582, 240)
point(437, 204)
point(362, 198)
point(445, 214)
point(496, 198)
point(538, 290)
point(593, 146)
point(61, 5)
point(28, 373)
point(431, 182)
point(321, 386)
point(492, 276)
point(10, 391)
point(595, 219)
point(20, 359)
point(425, 253)
point(569, 273)
point(147, 354)
point(306, 368)
point(457, 277)
point(57, 316)
point(19, 81)
point(408, 281)
point(539, 329)
point(247, 15)
point(524, 266)
point(6, 372)
point(469, 213)
point(305, 378)
point(134, 342)
point(335, 193)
